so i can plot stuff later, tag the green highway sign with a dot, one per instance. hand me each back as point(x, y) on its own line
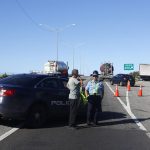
point(128, 66)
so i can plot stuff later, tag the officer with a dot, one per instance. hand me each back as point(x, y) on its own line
point(94, 93)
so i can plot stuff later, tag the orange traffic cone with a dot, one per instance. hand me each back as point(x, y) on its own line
point(116, 93)
point(140, 91)
point(128, 86)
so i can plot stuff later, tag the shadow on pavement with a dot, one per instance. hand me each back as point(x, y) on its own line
point(107, 118)
point(10, 122)
point(123, 121)
point(60, 122)
point(106, 115)
point(114, 118)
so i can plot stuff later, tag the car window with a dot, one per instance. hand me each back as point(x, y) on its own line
point(122, 75)
point(118, 75)
point(131, 77)
point(63, 83)
point(49, 83)
point(22, 80)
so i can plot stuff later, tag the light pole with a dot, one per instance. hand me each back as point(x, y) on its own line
point(57, 31)
point(74, 47)
point(73, 56)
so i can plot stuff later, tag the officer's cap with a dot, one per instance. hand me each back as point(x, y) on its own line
point(95, 73)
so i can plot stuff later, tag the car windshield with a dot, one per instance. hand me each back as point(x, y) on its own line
point(22, 80)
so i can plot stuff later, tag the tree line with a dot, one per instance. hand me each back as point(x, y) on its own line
point(3, 75)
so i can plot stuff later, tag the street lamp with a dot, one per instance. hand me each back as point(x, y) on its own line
point(57, 30)
point(74, 47)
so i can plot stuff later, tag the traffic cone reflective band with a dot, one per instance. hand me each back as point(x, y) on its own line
point(128, 86)
point(116, 91)
point(140, 91)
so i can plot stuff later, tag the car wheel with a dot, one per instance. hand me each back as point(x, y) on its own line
point(111, 82)
point(132, 84)
point(37, 116)
point(121, 83)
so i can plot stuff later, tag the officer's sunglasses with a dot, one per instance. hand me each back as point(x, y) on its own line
point(95, 76)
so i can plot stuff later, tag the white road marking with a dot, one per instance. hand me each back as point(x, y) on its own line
point(127, 108)
point(148, 134)
point(127, 99)
point(10, 132)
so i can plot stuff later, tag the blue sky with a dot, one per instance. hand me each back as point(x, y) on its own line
point(116, 31)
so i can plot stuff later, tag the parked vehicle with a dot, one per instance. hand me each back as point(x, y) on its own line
point(122, 79)
point(144, 72)
point(33, 97)
point(57, 67)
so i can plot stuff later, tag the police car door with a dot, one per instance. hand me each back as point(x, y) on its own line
point(49, 88)
point(64, 95)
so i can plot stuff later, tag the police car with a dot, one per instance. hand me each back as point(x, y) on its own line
point(33, 97)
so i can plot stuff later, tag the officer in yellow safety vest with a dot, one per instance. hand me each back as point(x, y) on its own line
point(94, 93)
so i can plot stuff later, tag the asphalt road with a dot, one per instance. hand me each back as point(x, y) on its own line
point(124, 124)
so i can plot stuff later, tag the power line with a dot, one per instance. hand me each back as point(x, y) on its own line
point(27, 14)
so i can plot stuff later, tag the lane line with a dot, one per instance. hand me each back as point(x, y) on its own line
point(127, 100)
point(139, 124)
point(5, 135)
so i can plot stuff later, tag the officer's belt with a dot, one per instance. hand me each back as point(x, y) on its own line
point(95, 94)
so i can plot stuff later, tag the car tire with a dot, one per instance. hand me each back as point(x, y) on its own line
point(111, 82)
point(37, 116)
point(121, 83)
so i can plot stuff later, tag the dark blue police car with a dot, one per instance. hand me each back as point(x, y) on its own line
point(33, 97)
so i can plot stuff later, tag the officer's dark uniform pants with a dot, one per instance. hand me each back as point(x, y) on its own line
point(94, 108)
point(74, 104)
